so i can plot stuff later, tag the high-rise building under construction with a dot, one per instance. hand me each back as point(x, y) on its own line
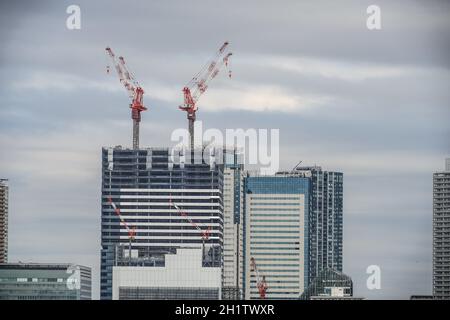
point(165, 200)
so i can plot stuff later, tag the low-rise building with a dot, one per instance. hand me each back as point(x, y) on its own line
point(180, 276)
point(49, 281)
point(330, 285)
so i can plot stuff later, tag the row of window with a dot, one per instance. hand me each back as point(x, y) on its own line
point(22, 280)
point(273, 209)
point(274, 237)
point(272, 248)
point(269, 220)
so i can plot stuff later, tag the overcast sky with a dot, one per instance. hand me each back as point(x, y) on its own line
point(372, 104)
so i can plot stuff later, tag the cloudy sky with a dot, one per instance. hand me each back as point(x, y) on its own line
point(372, 104)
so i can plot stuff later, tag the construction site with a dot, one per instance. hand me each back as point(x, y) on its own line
point(174, 228)
point(156, 209)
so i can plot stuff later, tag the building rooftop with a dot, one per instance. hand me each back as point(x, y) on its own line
point(35, 266)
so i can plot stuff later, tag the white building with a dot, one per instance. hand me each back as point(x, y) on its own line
point(181, 277)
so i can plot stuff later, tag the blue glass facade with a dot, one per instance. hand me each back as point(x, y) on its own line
point(325, 218)
point(326, 221)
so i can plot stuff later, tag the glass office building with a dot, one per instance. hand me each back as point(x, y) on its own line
point(34, 281)
point(142, 183)
point(276, 235)
point(325, 218)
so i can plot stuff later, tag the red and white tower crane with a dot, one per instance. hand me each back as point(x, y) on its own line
point(134, 90)
point(199, 83)
point(130, 230)
point(260, 280)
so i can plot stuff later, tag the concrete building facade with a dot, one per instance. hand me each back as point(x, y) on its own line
point(182, 276)
point(441, 233)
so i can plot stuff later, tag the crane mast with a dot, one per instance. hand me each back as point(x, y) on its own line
point(135, 92)
point(199, 84)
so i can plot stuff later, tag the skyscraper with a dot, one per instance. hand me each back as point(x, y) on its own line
point(276, 235)
point(142, 183)
point(3, 220)
point(441, 233)
point(233, 254)
point(325, 218)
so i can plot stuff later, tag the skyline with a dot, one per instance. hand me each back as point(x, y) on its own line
point(349, 99)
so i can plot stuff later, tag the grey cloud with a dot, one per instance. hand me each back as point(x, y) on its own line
point(387, 134)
